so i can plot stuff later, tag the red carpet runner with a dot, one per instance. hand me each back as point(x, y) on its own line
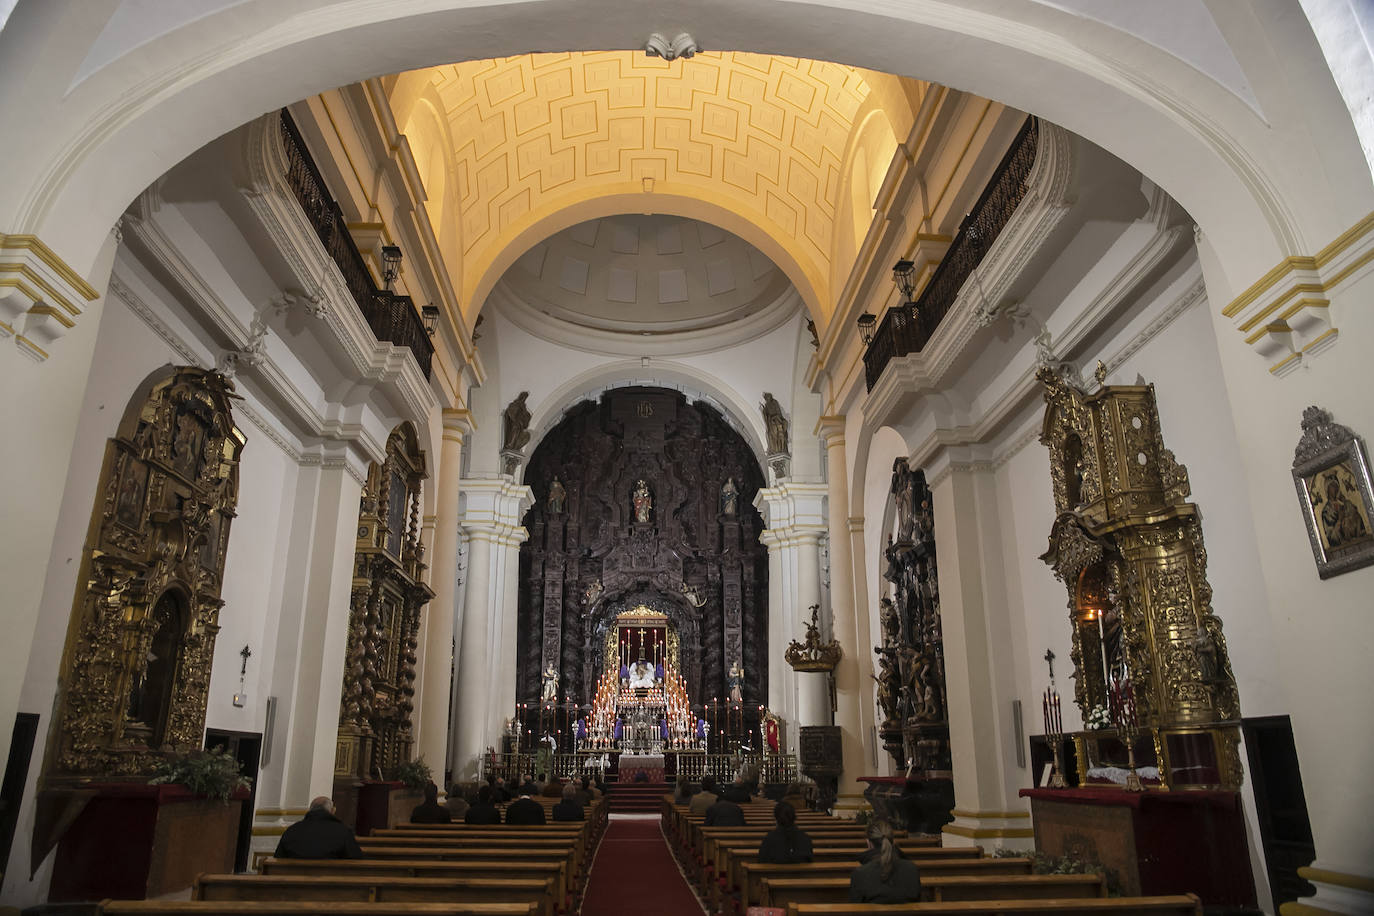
point(634, 873)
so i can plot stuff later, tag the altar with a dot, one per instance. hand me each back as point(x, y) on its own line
point(633, 765)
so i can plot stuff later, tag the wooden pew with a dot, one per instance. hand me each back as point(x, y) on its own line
point(307, 908)
point(780, 892)
point(377, 889)
point(1182, 905)
point(567, 850)
point(732, 858)
point(499, 869)
point(754, 873)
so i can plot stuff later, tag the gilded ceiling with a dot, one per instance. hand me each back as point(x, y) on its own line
point(762, 137)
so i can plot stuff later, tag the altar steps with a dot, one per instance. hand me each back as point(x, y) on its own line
point(637, 797)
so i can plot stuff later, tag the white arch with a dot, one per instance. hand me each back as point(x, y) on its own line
point(1270, 172)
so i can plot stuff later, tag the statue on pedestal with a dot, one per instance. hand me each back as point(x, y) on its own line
point(643, 502)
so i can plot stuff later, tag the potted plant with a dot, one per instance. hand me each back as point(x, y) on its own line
point(208, 774)
point(413, 776)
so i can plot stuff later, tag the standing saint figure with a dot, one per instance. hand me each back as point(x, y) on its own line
point(550, 689)
point(729, 497)
point(557, 497)
point(517, 423)
point(734, 681)
point(776, 424)
point(643, 502)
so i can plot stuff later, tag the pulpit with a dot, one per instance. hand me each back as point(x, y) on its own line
point(1157, 842)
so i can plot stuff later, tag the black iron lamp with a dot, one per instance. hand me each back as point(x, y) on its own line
point(391, 265)
point(429, 314)
point(904, 275)
point(868, 323)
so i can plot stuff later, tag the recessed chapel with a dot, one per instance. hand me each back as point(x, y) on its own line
point(950, 415)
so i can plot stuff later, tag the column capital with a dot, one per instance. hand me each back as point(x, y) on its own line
point(41, 297)
point(493, 508)
point(458, 423)
point(855, 524)
point(793, 506)
point(830, 427)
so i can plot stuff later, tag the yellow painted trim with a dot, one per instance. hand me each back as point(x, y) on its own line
point(45, 309)
point(962, 812)
point(44, 293)
point(268, 831)
point(1283, 362)
point(1304, 303)
point(981, 833)
point(31, 346)
point(1303, 909)
point(281, 812)
point(1277, 304)
point(1295, 263)
point(1329, 332)
point(1273, 327)
point(1339, 878)
point(49, 257)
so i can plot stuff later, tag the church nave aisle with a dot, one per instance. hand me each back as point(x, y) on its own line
point(634, 873)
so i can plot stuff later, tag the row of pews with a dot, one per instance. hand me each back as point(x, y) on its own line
point(412, 870)
point(724, 865)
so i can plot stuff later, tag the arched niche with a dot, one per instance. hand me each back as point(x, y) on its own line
point(136, 669)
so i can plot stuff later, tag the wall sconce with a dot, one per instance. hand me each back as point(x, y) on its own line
point(868, 323)
point(904, 275)
point(429, 314)
point(391, 265)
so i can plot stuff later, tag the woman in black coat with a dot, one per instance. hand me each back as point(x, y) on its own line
point(787, 843)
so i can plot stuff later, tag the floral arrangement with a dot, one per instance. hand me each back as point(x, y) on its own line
point(1098, 717)
point(1044, 864)
point(213, 774)
point(413, 774)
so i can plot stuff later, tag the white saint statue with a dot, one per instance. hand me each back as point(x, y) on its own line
point(550, 692)
point(641, 675)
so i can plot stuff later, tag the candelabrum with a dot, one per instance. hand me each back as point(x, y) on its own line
point(1123, 711)
point(1054, 733)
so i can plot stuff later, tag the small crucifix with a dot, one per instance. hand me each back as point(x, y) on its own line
point(1049, 659)
point(245, 654)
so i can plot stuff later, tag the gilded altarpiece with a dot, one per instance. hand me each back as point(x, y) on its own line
point(1128, 545)
point(136, 669)
point(384, 622)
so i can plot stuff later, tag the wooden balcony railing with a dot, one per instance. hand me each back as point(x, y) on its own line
point(907, 328)
point(391, 317)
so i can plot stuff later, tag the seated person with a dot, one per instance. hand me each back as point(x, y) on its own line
point(884, 876)
point(525, 810)
point(483, 811)
point(500, 793)
point(458, 801)
point(430, 811)
point(528, 787)
point(553, 789)
point(737, 792)
point(787, 843)
point(569, 809)
point(682, 790)
point(705, 798)
point(319, 835)
point(724, 813)
point(587, 794)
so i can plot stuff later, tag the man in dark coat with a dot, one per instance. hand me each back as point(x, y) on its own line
point(569, 809)
point(724, 813)
point(788, 844)
point(525, 810)
point(319, 835)
point(737, 792)
point(483, 812)
point(430, 811)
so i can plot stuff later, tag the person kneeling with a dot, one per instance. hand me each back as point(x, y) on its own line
point(884, 876)
point(319, 835)
point(786, 844)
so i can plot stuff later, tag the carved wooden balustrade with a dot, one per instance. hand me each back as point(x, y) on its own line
point(907, 328)
point(390, 316)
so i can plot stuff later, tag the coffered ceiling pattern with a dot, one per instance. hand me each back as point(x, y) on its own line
point(763, 136)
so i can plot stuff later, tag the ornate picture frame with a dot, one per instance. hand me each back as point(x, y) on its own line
point(1331, 473)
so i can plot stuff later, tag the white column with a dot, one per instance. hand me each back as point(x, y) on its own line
point(433, 734)
point(795, 516)
point(852, 714)
point(491, 515)
point(310, 662)
point(965, 557)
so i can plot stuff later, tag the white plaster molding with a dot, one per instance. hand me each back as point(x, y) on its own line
point(537, 322)
point(275, 206)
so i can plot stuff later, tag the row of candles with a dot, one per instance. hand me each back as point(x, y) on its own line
point(1120, 706)
point(727, 720)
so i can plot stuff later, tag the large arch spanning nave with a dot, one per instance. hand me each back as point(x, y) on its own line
point(620, 270)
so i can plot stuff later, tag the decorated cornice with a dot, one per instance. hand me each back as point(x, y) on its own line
point(41, 297)
point(1285, 315)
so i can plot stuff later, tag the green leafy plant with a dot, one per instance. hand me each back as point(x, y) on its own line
point(213, 774)
point(413, 774)
point(1043, 864)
